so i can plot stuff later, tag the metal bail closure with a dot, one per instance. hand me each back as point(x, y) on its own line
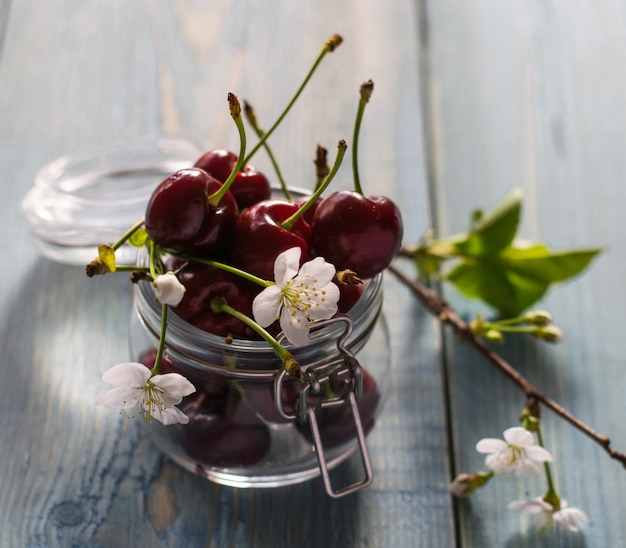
point(321, 457)
point(312, 378)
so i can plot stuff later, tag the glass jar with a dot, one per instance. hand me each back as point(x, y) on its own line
point(237, 434)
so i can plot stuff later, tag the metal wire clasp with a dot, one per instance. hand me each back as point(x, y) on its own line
point(347, 368)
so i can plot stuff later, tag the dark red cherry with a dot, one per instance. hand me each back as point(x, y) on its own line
point(180, 217)
point(204, 283)
point(249, 187)
point(258, 237)
point(361, 233)
point(218, 163)
point(336, 424)
point(217, 440)
point(349, 294)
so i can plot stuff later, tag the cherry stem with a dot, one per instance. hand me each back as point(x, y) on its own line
point(504, 328)
point(329, 46)
point(156, 368)
point(227, 268)
point(128, 234)
point(366, 92)
point(219, 304)
point(441, 309)
point(153, 257)
point(341, 151)
point(235, 112)
point(251, 117)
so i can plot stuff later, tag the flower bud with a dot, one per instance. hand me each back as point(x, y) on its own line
point(465, 484)
point(538, 317)
point(477, 326)
point(549, 333)
point(168, 289)
point(494, 336)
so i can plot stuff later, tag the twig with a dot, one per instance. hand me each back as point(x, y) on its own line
point(440, 308)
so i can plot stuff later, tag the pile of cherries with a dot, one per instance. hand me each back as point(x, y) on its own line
point(223, 210)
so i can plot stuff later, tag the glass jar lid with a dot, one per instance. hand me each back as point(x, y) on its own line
point(82, 200)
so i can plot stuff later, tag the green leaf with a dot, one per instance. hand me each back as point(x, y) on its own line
point(495, 230)
point(508, 292)
point(138, 238)
point(539, 263)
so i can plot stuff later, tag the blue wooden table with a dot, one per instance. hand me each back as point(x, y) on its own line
point(471, 99)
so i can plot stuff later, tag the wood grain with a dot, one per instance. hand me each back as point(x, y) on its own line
point(531, 95)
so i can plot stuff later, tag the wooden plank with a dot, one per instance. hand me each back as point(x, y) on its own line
point(531, 95)
point(76, 73)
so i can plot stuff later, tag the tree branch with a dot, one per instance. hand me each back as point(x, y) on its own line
point(440, 308)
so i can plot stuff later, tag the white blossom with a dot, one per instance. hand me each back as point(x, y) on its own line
point(517, 453)
point(168, 289)
point(299, 297)
point(543, 514)
point(155, 397)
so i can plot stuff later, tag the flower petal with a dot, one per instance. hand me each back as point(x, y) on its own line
point(125, 375)
point(295, 326)
point(266, 305)
point(519, 436)
point(490, 445)
point(538, 453)
point(570, 518)
point(318, 269)
point(530, 507)
point(542, 519)
point(499, 462)
point(524, 467)
point(119, 398)
point(538, 508)
point(170, 415)
point(286, 265)
point(175, 387)
point(324, 304)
